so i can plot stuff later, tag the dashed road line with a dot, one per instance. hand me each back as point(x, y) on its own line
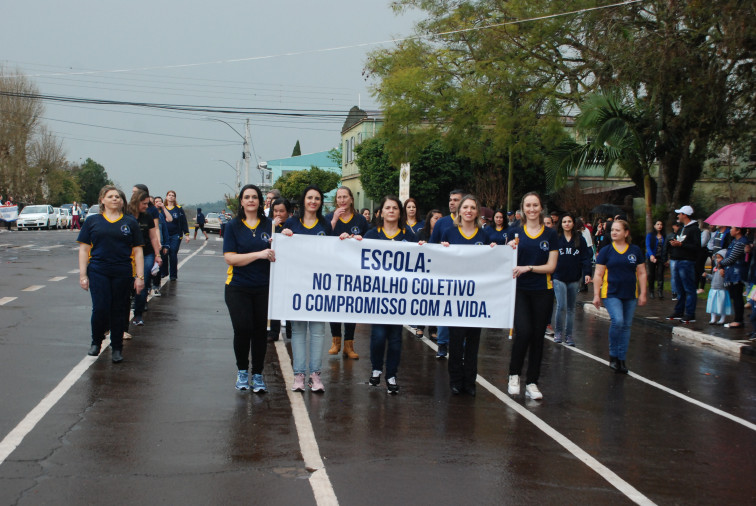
point(58, 278)
point(75, 271)
point(25, 246)
point(14, 438)
point(6, 300)
point(33, 288)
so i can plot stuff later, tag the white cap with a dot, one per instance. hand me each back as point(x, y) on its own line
point(685, 210)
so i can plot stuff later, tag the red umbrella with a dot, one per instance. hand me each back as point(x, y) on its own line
point(740, 214)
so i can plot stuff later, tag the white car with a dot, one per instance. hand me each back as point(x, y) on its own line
point(37, 216)
point(92, 210)
point(64, 217)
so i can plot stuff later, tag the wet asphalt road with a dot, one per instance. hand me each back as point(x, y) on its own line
point(166, 426)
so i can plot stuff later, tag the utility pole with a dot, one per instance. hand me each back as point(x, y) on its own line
point(246, 155)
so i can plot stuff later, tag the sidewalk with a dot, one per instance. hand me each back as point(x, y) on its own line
point(732, 341)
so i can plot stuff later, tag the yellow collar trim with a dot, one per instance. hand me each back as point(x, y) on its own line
point(113, 221)
point(251, 228)
point(305, 226)
point(618, 251)
point(380, 229)
point(525, 228)
point(463, 234)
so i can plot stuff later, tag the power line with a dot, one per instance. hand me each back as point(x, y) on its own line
point(340, 48)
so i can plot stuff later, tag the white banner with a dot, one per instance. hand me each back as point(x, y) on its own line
point(8, 213)
point(370, 281)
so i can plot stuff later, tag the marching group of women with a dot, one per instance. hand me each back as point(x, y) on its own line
point(550, 263)
point(117, 250)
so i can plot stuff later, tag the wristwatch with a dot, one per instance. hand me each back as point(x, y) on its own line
point(530, 267)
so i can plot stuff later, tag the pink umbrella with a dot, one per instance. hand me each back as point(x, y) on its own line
point(740, 214)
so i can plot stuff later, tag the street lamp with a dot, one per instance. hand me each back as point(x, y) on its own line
point(245, 154)
point(229, 187)
point(236, 171)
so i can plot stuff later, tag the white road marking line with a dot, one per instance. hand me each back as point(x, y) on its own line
point(27, 246)
point(2, 245)
point(628, 490)
point(684, 397)
point(6, 300)
point(209, 252)
point(75, 271)
point(319, 481)
point(54, 246)
point(25, 426)
point(33, 288)
point(57, 278)
point(14, 438)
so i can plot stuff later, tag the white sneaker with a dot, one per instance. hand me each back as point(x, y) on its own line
point(532, 391)
point(514, 385)
point(126, 335)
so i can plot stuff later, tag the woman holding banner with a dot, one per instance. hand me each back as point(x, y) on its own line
point(345, 222)
point(310, 221)
point(464, 341)
point(246, 250)
point(280, 210)
point(387, 339)
point(536, 260)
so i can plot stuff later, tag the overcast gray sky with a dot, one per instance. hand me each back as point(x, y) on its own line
point(144, 51)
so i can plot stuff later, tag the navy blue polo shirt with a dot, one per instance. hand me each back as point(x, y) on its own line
point(241, 237)
point(112, 243)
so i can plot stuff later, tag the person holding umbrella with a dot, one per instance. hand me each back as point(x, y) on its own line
point(735, 269)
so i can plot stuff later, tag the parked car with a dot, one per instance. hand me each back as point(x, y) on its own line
point(37, 216)
point(95, 209)
point(212, 222)
point(64, 217)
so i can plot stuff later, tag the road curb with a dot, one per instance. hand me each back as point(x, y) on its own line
point(683, 334)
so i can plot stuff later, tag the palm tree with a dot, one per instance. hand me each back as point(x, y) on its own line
point(621, 134)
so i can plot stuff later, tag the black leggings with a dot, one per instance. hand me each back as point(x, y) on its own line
point(736, 297)
point(532, 313)
point(248, 308)
point(655, 275)
point(348, 330)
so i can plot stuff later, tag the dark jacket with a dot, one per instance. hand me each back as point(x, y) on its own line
point(691, 243)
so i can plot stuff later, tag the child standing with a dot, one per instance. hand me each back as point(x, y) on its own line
point(718, 302)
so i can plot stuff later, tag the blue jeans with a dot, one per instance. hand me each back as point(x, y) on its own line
point(174, 242)
point(299, 345)
point(566, 295)
point(685, 279)
point(141, 298)
point(386, 339)
point(672, 282)
point(621, 312)
point(442, 335)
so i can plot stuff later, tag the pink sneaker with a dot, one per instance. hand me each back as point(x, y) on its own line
point(315, 384)
point(298, 383)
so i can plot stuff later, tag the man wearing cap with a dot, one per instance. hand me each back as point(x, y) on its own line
point(686, 246)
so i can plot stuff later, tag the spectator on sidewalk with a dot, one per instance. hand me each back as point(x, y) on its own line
point(703, 255)
point(735, 271)
point(686, 247)
point(655, 243)
point(670, 258)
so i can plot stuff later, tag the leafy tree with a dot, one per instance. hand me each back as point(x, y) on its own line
point(434, 172)
point(622, 134)
point(293, 184)
point(62, 187)
point(91, 177)
point(297, 150)
point(336, 156)
point(488, 81)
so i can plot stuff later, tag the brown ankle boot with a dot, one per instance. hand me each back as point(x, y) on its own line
point(335, 347)
point(349, 350)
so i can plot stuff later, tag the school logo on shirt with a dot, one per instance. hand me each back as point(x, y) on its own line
point(321, 233)
point(355, 230)
point(631, 258)
point(479, 243)
point(265, 237)
point(544, 245)
point(125, 230)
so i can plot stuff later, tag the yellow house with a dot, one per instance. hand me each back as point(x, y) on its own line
point(358, 126)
